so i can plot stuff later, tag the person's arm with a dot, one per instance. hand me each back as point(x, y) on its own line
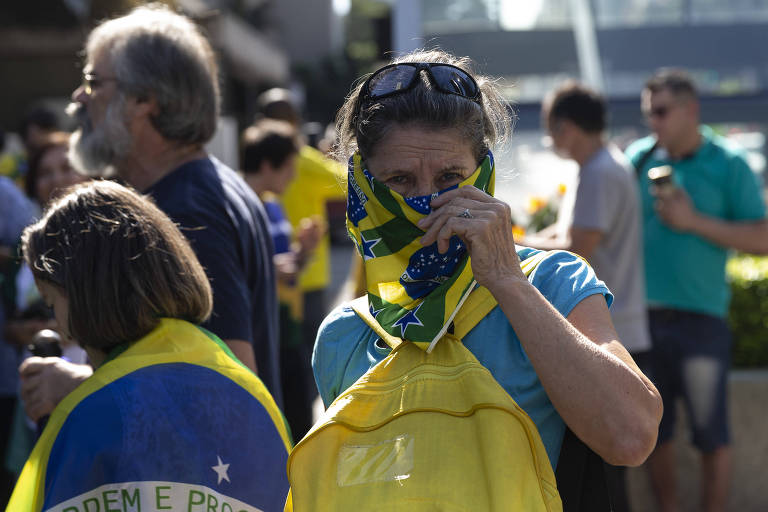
point(243, 350)
point(676, 210)
point(45, 381)
point(590, 378)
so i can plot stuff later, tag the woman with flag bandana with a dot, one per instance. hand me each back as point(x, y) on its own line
point(422, 214)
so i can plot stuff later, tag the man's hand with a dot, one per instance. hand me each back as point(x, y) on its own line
point(309, 233)
point(676, 210)
point(45, 381)
point(286, 267)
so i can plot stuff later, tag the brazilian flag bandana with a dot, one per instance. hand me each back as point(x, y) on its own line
point(414, 292)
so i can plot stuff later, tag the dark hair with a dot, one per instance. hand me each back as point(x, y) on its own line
point(268, 140)
point(52, 141)
point(577, 103)
point(677, 81)
point(362, 127)
point(278, 103)
point(40, 116)
point(120, 261)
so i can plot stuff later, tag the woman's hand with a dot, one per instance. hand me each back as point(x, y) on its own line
point(486, 230)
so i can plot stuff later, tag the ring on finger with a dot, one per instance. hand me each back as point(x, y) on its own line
point(466, 214)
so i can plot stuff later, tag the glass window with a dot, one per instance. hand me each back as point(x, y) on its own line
point(452, 16)
point(631, 13)
point(718, 11)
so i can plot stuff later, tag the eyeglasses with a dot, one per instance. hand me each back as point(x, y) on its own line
point(399, 78)
point(658, 112)
point(92, 81)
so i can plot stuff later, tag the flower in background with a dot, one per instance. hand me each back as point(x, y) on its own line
point(536, 203)
point(518, 231)
point(544, 211)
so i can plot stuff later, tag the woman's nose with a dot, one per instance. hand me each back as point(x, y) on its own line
point(425, 187)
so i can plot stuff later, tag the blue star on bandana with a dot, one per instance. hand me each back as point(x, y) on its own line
point(423, 204)
point(375, 312)
point(409, 318)
point(368, 247)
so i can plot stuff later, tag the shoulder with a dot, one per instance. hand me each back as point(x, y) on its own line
point(639, 148)
point(313, 163)
point(192, 187)
point(564, 278)
point(340, 326)
point(609, 165)
point(206, 193)
point(724, 148)
point(341, 352)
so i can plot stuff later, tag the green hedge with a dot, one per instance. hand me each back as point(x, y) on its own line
point(749, 310)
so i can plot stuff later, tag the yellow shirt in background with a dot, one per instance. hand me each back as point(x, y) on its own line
point(318, 180)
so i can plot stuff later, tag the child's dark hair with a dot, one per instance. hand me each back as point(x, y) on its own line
point(268, 140)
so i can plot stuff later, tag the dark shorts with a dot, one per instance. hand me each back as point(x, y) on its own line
point(691, 356)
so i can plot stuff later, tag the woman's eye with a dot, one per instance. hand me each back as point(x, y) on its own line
point(397, 180)
point(452, 176)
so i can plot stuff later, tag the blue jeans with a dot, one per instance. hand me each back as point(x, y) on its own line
point(690, 359)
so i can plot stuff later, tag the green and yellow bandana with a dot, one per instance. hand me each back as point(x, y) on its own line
point(414, 292)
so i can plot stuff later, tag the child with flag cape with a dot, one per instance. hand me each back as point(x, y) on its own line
point(170, 419)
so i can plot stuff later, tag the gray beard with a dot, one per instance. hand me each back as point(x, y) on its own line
point(94, 152)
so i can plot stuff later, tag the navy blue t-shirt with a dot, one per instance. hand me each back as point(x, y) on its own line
point(228, 229)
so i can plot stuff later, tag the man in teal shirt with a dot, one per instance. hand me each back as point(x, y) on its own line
point(710, 203)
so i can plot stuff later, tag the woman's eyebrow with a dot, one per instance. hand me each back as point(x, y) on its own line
point(449, 168)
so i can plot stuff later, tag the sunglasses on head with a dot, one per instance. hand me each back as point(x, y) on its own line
point(398, 78)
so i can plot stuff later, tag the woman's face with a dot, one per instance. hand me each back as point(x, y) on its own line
point(54, 174)
point(283, 175)
point(414, 160)
point(55, 298)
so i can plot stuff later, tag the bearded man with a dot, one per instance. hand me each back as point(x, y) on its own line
point(148, 103)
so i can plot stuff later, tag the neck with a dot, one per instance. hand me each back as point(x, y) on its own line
point(687, 145)
point(95, 356)
point(585, 149)
point(256, 181)
point(142, 169)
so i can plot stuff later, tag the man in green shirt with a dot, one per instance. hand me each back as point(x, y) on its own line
point(710, 203)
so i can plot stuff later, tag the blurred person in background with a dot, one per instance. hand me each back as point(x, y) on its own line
point(31, 325)
point(269, 151)
point(50, 171)
point(699, 199)
point(169, 413)
point(49, 174)
point(36, 127)
point(148, 103)
point(38, 123)
point(16, 212)
point(605, 226)
point(318, 182)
